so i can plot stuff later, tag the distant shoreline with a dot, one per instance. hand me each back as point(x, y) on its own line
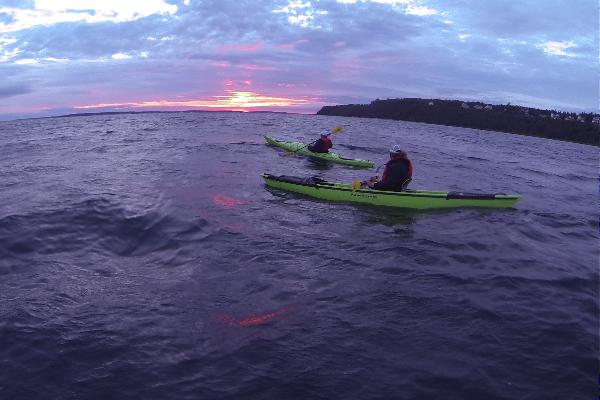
point(93, 114)
point(583, 128)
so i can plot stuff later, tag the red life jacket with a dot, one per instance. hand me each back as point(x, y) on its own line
point(410, 168)
point(327, 142)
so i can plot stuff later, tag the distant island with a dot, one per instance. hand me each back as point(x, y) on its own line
point(580, 128)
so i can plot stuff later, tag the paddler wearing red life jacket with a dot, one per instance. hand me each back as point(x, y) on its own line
point(397, 173)
point(323, 144)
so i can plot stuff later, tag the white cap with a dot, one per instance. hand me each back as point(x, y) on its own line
point(396, 149)
point(324, 132)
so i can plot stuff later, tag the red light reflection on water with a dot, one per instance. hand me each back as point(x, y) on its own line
point(234, 227)
point(261, 319)
point(254, 319)
point(228, 202)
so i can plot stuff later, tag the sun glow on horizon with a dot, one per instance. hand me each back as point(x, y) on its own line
point(234, 101)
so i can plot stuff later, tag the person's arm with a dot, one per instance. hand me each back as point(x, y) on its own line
point(318, 145)
point(373, 180)
point(314, 146)
point(379, 185)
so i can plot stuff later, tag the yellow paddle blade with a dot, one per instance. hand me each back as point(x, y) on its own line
point(338, 129)
point(356, 185)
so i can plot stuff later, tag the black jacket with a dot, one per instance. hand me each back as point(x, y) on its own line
point(396, 172)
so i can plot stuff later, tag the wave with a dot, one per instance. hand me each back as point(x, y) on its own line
point(99, 224)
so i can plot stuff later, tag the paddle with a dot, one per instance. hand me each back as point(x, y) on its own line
point(356, 184)
point(333, 132)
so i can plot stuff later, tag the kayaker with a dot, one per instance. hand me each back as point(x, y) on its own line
point(323, 144)
point(397, 173)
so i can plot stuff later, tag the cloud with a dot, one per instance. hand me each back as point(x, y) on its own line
point(211, 25)
point(26, 61)
point(121, 56)
point(556, 48)
point(11, 90)
point(420, 10)
point(82, 41)
point(325, 52)
point(390, 2)
point(51, 12)
point(523, 19)
point(18, 3)
point(240, 47)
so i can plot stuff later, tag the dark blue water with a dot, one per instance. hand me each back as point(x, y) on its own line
point(141, 257)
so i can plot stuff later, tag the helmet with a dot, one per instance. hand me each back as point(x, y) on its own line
point(324, 132)
point(396, 149)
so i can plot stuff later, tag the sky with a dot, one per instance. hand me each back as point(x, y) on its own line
point(72, 56)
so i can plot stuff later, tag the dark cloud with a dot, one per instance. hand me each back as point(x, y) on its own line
point(11, 90)
point(85, 41)
point(520, 19)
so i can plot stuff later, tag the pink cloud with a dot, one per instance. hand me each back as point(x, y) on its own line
point(221, 64)
point(240, 47)
point(288, 85)
point(256, 67)
point(292, 46)
point(233, 100)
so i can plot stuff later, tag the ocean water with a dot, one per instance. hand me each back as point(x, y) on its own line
point(141, 257)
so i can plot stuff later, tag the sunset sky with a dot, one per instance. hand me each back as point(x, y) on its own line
point(67, 56)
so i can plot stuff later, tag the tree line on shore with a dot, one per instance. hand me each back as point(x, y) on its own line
point(580, 128)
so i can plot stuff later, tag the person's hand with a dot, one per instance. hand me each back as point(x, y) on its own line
point(372, 181)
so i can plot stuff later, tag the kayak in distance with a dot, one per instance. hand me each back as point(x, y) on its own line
point(302, 149)
point(415, 199)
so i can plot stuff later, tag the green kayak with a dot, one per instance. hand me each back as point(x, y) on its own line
point(333, 157)
point(420, 199)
